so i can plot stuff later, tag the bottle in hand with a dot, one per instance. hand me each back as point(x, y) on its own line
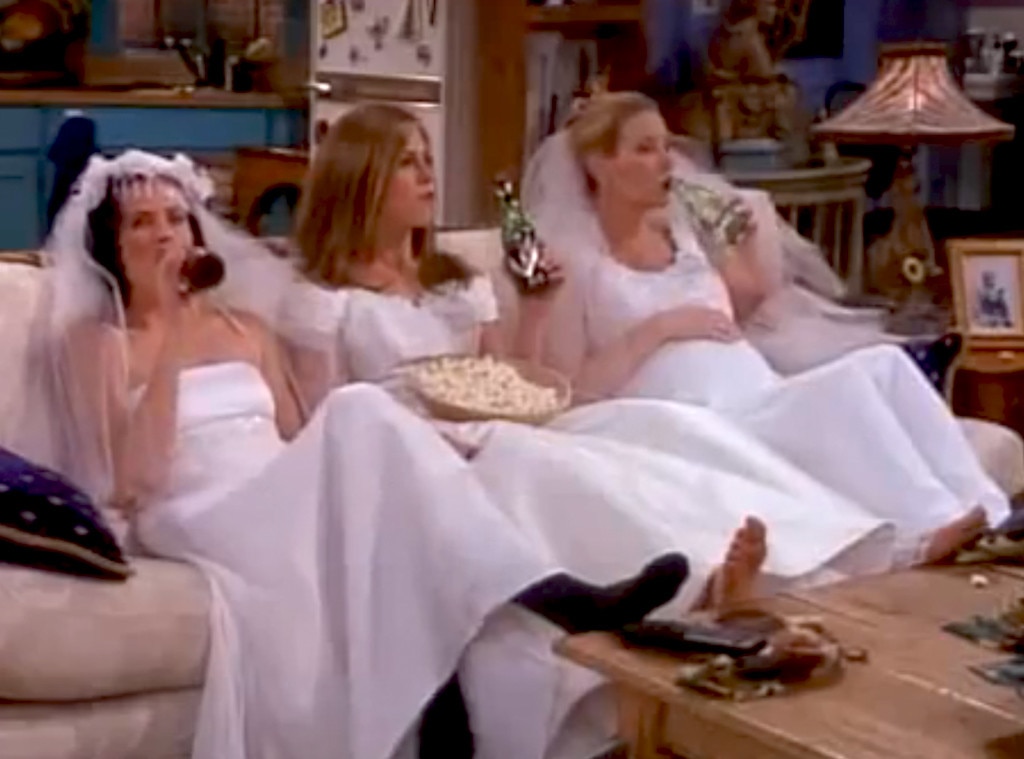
point(523, 250)
point(722, 221)
point(202, 270)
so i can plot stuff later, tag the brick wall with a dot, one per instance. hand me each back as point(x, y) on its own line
point(235, 20)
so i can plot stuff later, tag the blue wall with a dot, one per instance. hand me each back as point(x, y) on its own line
point(677, 40)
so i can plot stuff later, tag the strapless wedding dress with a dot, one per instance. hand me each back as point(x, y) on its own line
point(349, 569)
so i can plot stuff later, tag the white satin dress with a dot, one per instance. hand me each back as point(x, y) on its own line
point(614, 484)
point(350, 569)
point(867, 425)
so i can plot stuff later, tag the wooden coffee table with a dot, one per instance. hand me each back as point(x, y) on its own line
point(913, 699)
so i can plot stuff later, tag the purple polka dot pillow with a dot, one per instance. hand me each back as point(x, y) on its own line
point(48, 523)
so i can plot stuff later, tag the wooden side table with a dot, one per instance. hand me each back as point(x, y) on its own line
point(989, 384)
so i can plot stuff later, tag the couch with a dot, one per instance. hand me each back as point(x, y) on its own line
point(102, 670)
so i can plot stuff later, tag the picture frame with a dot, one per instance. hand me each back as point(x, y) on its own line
point(988, 291)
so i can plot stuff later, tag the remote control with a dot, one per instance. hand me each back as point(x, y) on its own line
point(690, 638)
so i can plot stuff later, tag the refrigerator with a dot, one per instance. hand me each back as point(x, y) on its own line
point(391, 51)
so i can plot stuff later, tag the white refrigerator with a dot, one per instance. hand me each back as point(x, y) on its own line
point(392, 51)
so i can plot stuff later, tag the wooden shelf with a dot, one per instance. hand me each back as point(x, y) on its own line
point(588, 13)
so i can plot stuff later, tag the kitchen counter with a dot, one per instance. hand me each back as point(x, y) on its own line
point(146, 97)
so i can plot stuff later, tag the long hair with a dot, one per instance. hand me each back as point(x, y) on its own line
point(339, 214)
point(595, 128)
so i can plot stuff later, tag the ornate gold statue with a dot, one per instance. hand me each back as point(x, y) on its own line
point(748, 95)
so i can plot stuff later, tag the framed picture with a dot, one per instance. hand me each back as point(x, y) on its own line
point(988, 290)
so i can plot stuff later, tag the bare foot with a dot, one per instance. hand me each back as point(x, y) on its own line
point(733, 582)
point(947, 540)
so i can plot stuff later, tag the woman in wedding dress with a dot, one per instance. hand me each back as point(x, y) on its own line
point(354, 561)
point(638, 475)
point(647, 314)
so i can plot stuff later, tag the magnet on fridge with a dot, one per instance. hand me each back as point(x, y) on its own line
point(379, 30)
point(355, 55)
point(414, 17)
point(424, 54)
point(333, 18)
point(358, 6)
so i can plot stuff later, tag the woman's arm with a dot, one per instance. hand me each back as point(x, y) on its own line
point(140, 438)
point(745, 279)
point(754, 268)
point(605, 371)
point(290, 413)
point(525, 340)
point(279, 374)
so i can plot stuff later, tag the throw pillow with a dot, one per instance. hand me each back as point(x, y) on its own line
point(48, 523)
point(936, 357)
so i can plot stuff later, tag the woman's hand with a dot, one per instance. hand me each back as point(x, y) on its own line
point(696, 323)
point(552, 268)
point(171, 293)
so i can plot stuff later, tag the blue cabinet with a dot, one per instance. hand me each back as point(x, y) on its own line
point(27, 132)
point(21, 214)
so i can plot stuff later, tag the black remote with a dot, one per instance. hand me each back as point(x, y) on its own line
point(691, 638)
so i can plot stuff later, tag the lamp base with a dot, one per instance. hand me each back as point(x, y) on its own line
point(909, 236)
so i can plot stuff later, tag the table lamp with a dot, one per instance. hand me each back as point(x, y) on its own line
point(914, 100)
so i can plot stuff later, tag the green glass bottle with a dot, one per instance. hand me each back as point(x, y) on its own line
point(722, 221)
point(519, 240)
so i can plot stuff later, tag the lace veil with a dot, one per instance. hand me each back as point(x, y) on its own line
point(66, 422)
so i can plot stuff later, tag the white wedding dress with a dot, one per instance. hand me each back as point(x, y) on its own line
point(867, 425)
point(605, 487)
point(349, 569)
point(613, 484)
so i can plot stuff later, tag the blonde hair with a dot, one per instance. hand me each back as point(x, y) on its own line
point(339, 214)
point(596, 126)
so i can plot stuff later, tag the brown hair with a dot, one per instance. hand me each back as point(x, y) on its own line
point(339, 213)
point(595, 128)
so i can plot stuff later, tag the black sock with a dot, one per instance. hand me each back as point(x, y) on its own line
point(578, 606)
point(444, 729)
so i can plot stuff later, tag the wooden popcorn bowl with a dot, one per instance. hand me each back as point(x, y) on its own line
point(448, 411)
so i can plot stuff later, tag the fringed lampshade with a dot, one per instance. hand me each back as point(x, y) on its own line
point(914, 100)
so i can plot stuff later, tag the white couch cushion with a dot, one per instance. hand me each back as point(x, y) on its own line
point(153, 726)
point(1000, 450)
point(68, 639)
point(20, 291)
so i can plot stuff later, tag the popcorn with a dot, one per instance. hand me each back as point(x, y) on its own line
point(485, 386)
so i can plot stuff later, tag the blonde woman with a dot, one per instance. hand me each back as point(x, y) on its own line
point(650, 315)
point(598, 487)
